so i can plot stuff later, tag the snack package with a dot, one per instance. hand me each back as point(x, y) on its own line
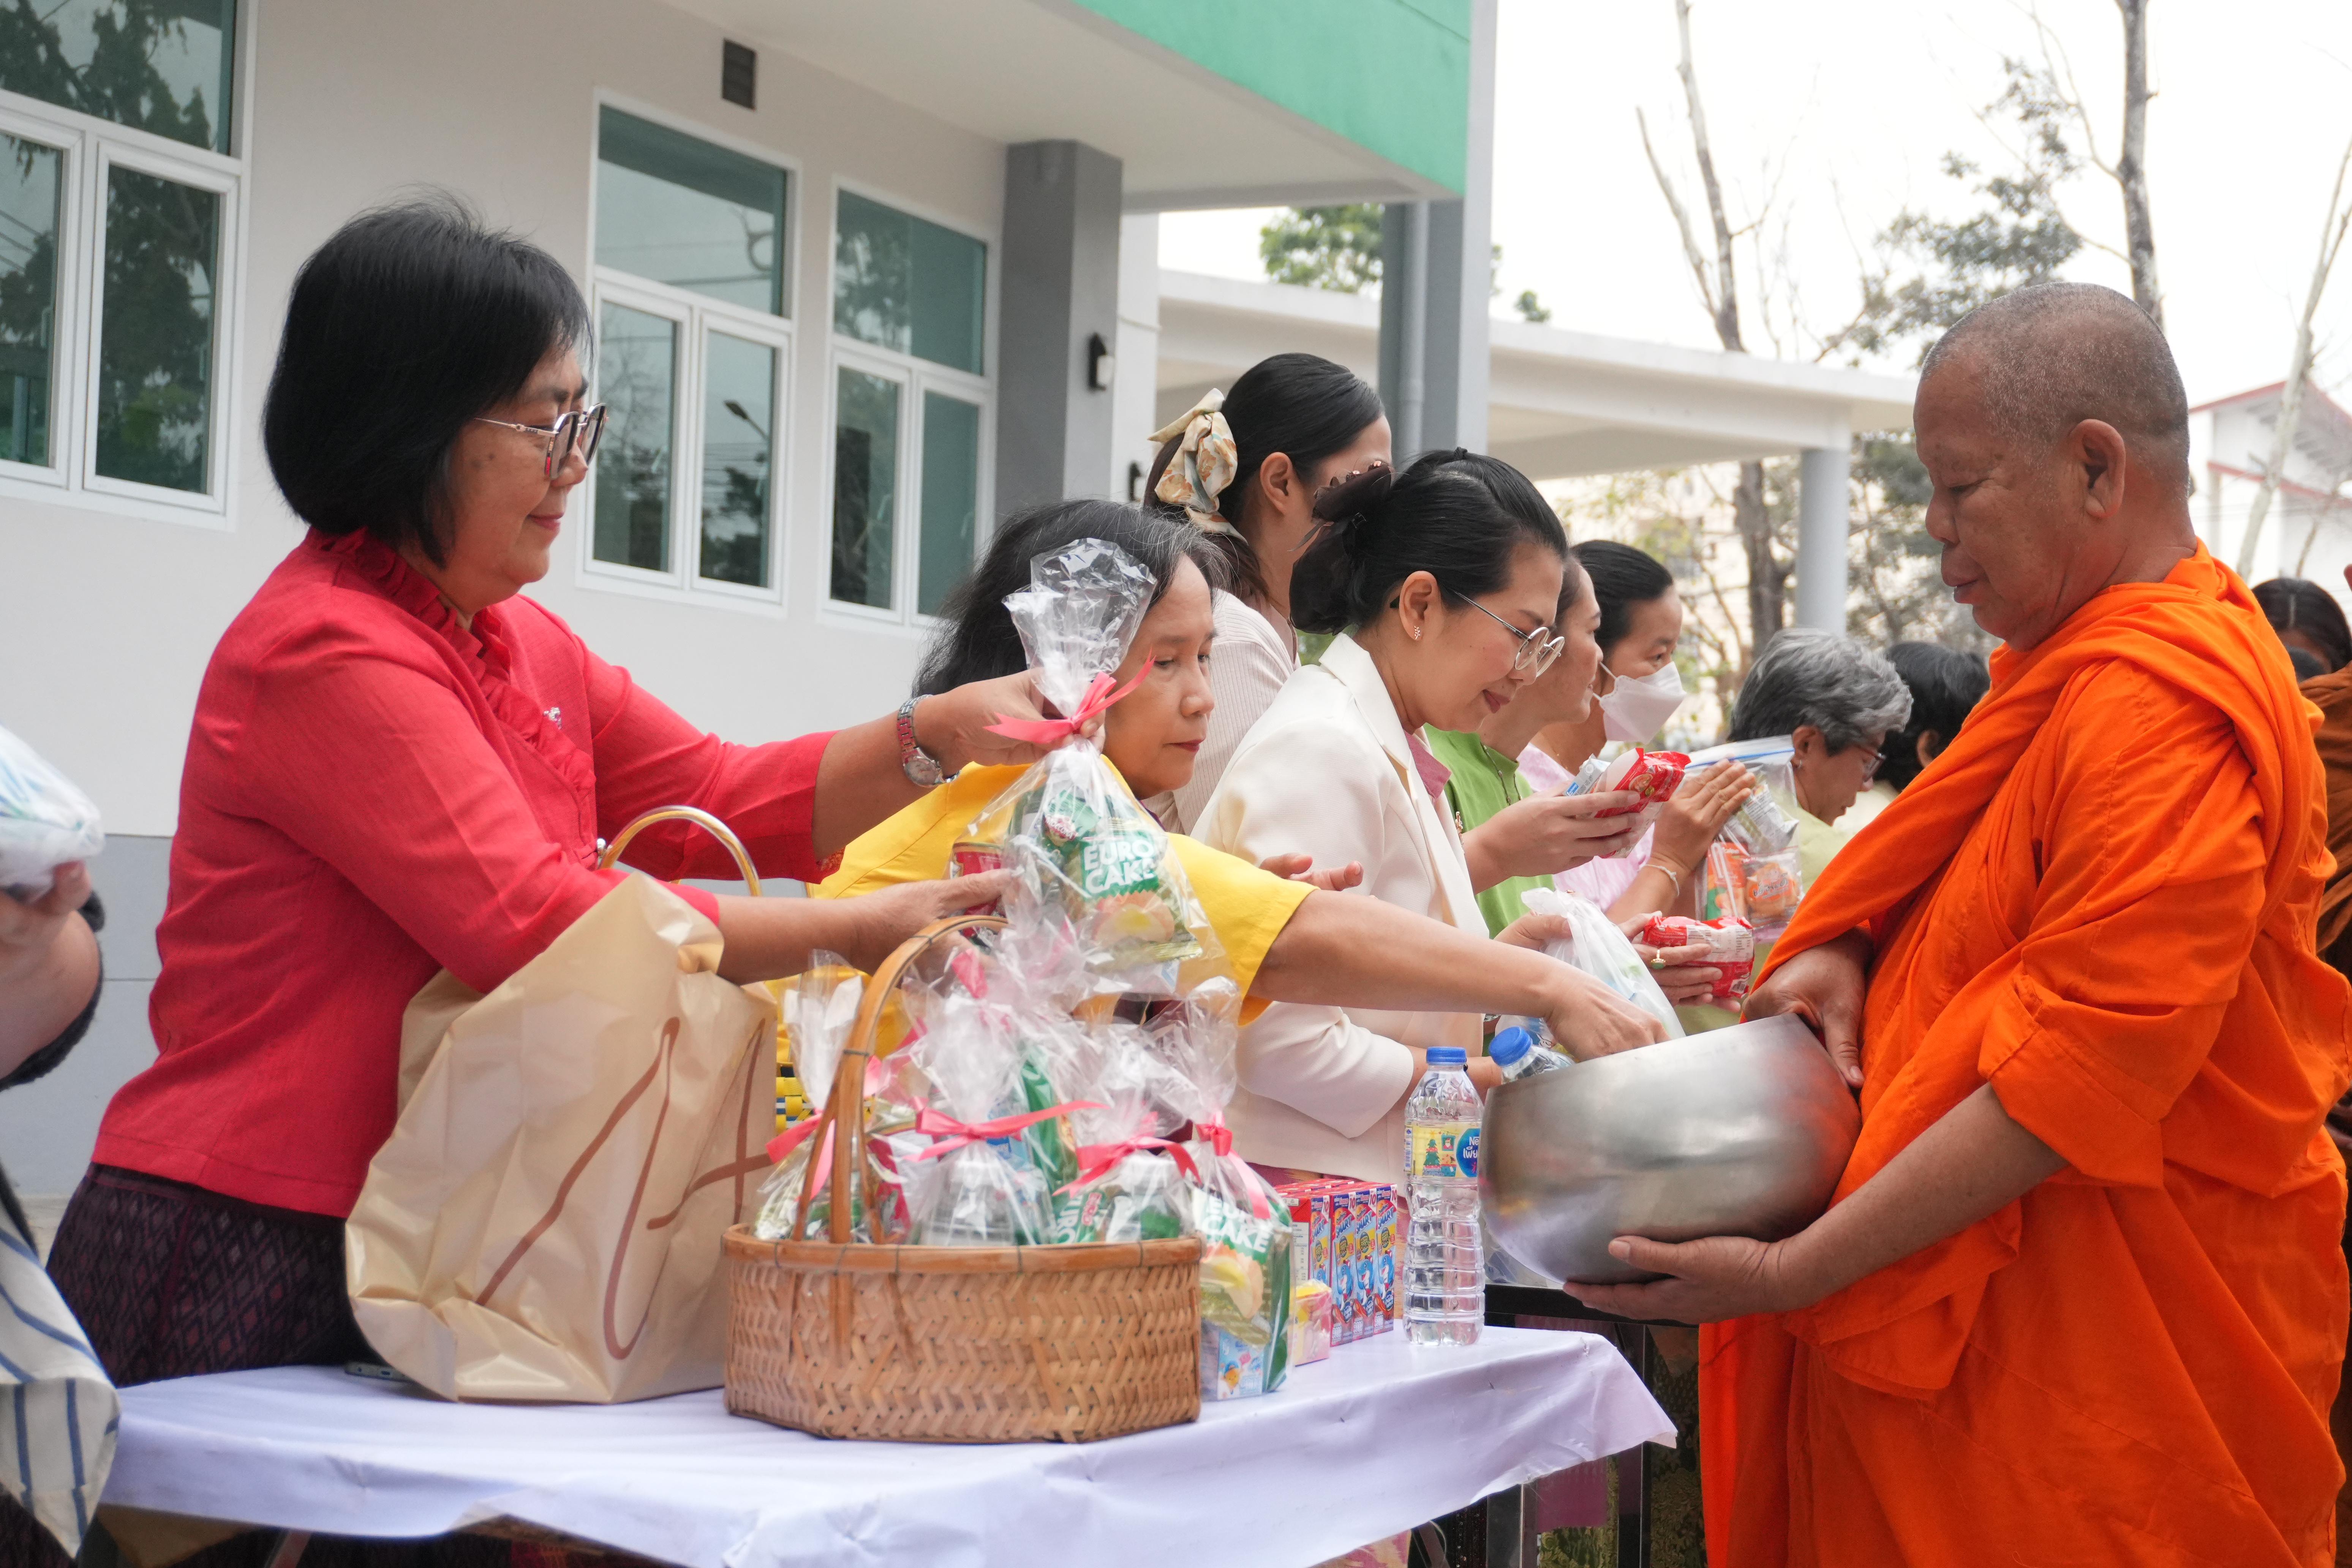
point(1762, 890)
point(45, 821)
point(1766, 822)
point(1653, 777)
point(1128, 1187)
point(817, 1007)
point(989, 1191)
point(1597, 947)
point(1730, 947)
point(1093, 865)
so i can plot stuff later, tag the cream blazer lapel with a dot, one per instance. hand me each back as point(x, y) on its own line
point(1441, 844)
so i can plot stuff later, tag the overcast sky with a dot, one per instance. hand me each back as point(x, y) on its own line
point(1840, 111)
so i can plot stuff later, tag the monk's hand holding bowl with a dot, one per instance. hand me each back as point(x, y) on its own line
point(1823, 986)
point(1708, 1280)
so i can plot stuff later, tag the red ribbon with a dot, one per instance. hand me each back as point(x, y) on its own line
point(1095, 1159)
point(959, 1133)
point(1212, 1130)
point(791, 1137)
point(1100, 694)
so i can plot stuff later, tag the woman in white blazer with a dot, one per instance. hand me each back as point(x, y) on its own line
point(1444, 583)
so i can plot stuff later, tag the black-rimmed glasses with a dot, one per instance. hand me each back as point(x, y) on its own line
point(578, 431)
point(1538, 649)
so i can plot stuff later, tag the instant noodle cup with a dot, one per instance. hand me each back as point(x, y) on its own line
point(1653, 776)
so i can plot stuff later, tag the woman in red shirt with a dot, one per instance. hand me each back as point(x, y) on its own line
point(399, 765)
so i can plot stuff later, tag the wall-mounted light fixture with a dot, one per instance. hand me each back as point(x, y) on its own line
point(738, 74)
point(1101, 364)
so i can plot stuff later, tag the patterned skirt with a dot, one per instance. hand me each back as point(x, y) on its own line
point(171, 1280)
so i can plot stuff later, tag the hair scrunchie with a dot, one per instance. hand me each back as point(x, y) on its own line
point(1203, 463)
point(1343, 503)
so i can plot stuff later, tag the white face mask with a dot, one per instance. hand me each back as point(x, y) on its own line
point(1638, 707)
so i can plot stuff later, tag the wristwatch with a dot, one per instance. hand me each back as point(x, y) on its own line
point(923, 770)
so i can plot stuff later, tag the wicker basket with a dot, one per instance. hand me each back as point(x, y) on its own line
point(954, 1344)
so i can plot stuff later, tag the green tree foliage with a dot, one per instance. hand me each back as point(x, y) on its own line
point(120, 81)
point(2018, 236)
point(1324, 248)
point(1529, 307)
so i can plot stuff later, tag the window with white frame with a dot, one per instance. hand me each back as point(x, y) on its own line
point(117, 224)
point(911, 407)
point(693, 347)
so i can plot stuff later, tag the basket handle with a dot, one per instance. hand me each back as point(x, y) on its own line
point(701, 818)
point(848, 1096)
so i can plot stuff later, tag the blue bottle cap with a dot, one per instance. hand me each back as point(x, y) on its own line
point(1448, 1056)
point(1509, 1044)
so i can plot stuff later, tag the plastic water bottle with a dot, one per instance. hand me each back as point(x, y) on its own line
point(1446, 1290)
point(1517, 1054)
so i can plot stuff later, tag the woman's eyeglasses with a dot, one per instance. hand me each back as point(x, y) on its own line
point(578, 431)
point(1538, 648)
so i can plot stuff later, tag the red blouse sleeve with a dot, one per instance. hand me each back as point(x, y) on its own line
point(647, 757)
point(360, 751)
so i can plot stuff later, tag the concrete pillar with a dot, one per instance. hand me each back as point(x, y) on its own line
point(1824, 508)
point(1437, 285)
point(1059, 295)
point(1134, 395)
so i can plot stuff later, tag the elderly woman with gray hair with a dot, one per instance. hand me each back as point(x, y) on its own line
point(1838, 702)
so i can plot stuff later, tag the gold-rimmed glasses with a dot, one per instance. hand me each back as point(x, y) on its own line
point(1538, 649)
point(578, 431)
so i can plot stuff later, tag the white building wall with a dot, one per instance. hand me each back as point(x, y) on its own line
point(106, 620)
point(1134, 395)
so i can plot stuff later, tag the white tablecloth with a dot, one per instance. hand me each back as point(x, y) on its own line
point(1373, 1440)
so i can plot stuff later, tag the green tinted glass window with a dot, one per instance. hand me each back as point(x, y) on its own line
point(951, 496)
point(162, 66)
point(636, 378)
point(864, 486)
point(28, 295)
point(739, 424)
point(155, 331)
point(904, 284)
point(682, 212)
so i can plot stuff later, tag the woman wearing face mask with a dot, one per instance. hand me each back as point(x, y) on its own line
point(1282, 943)
point(1245, 465)
point(1637, 691)
point(1443, 591)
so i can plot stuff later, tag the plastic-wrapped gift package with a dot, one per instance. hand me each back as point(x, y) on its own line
point(1310, 1323)
point(1729, 947)
point(1088, 858)
point(1596, 946)
point(45, 821)
point(1759, 878)
point(1129, 1186)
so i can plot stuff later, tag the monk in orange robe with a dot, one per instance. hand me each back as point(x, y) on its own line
point(2079, 1300)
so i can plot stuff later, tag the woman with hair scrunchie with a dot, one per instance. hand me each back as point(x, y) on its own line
point(1245, 466)
point(1443, 589)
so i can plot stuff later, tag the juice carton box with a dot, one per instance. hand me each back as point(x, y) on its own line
point(1361, 1272)
point(1231, 1367)
point(1310, 1323)
point(1310, 1205)
point(1387, 1236)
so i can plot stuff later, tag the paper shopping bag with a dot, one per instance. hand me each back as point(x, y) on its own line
point(544, 1222)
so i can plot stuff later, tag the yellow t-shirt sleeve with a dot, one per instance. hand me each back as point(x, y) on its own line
point(1247, 907)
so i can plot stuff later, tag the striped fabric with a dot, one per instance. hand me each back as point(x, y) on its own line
point(58, 1410)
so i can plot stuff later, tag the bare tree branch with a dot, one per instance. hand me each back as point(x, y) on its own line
point(1726, 306)
point(1682, 217)
point(2131, 169)
point(2290, 415)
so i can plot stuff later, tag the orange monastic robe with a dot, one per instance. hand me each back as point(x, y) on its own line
point(2100, 900)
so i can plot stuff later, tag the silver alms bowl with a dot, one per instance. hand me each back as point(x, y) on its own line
point(1737, 1131)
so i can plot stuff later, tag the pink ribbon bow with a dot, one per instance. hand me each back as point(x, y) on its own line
point(1095, 1159)
point(957, 1134)
point(1212, 1130)
point(791, 1137)
point(1100, 695)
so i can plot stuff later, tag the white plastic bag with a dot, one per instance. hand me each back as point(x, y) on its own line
point(1597, 947)
point(45, 821)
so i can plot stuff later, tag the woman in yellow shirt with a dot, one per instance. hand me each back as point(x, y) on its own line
point(1286, 940)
